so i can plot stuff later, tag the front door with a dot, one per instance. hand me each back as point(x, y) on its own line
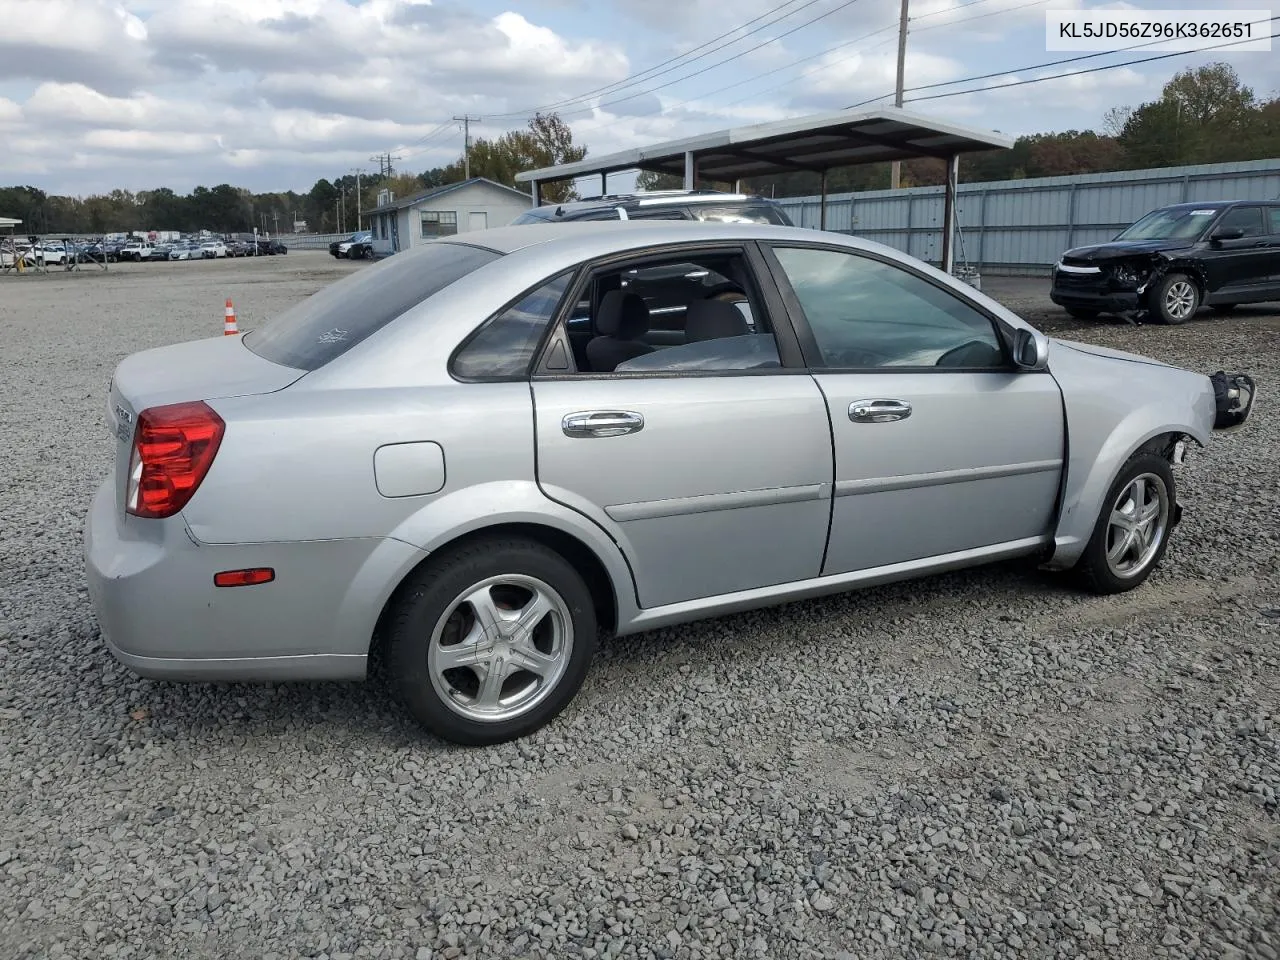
point(941, 446)
point(709, 460)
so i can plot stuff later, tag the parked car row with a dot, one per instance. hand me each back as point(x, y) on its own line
point(64, 252)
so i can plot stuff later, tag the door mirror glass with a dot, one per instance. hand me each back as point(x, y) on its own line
point(1030, 350)
point(1228, 233)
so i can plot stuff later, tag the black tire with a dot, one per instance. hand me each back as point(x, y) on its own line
point(1160, 299)
point(1225, 307)
point(1093, 570)
point(425, 601)
point(368, 253)
point(1082, 314)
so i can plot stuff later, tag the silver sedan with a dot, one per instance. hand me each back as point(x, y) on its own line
point(493, 446)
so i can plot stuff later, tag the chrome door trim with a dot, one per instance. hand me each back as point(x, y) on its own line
point(879, 410)
point(849, 488)
point(706, 503)
point(601, 423)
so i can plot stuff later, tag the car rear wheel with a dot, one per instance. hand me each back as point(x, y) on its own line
point(1132, 532)
point(1175, 299)
point(491, 641)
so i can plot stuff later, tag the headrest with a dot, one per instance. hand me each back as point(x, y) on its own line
point(622, 316)
point(712, 320)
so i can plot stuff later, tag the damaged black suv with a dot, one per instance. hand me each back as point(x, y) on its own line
point(1173, 261)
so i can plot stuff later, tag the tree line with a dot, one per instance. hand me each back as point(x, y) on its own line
point(1203, 115)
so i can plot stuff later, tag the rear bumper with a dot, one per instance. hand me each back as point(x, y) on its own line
point(161, 616)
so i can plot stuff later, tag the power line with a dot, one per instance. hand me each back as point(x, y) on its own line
point(649, 74)
point(709, 67)
point(1056, 63)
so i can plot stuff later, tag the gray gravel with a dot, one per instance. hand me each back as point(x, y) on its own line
point(985, 764)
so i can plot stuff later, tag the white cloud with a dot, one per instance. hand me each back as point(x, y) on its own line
point(272, 94)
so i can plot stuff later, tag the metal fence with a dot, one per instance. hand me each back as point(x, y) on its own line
point(1023, 226)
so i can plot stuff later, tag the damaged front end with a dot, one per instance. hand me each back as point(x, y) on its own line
point(1233, 395)
point(1116, 286)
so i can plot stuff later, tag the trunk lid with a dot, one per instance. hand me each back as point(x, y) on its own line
point(209, 369)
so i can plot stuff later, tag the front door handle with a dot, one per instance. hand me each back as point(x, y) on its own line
point(879, 411)
point(601, 423)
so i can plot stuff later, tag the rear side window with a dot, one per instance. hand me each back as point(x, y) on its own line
point(503, 347)
point(332, 321)
point(1274, 213)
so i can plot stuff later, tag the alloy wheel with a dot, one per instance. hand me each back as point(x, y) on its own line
point(1180, 300)
point(500, 648)
point(1137, 525)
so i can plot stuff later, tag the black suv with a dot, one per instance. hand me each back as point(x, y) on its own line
point(663, 205)
point(1175, 259)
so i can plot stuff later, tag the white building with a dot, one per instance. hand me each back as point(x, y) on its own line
point(474, 204)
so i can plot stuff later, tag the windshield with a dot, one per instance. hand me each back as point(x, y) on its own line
point(329, 323)
point(1180, 224)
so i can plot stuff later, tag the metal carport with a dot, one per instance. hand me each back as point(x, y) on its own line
point(815, 143)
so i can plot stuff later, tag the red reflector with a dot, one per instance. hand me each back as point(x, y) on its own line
point(244, 578)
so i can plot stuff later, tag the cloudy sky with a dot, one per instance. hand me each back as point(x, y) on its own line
point(272, 94)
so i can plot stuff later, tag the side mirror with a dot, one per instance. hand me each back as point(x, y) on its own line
point(1228, 233)
point(1030, 350)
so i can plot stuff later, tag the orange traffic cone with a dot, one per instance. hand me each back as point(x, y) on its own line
point(229, 328)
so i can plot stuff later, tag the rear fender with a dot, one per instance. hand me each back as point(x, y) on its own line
point(475, 508)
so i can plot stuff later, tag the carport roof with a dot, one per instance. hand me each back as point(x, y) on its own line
point(814, 143)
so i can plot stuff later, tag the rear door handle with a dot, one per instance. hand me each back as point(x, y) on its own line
point(601, 423)
point(879, 411)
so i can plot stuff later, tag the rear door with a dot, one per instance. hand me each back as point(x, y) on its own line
point(941, 445)
point(713, 474)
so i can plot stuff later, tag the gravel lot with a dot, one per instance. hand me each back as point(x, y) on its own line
point(981, 764)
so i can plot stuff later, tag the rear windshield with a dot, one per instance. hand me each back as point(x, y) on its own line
point(741, 213)
point(329, 323)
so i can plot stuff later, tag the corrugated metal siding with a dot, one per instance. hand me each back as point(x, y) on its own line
point(1023, 226)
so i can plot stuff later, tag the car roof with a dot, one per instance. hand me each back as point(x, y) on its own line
point(1217, 204)
point(610, 236)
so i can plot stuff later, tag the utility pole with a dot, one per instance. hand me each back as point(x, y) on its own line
point(466, 144)
point(384, 163)
point(275, 222)
point(895, 172)
point(357, 171)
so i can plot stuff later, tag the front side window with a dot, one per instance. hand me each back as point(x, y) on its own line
point(1248, 219)
point(330, 322)
point(439, 223)
point(505, 344)
point(865, 313)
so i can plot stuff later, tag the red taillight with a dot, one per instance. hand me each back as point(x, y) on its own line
point(244, 578)
point(173, 448)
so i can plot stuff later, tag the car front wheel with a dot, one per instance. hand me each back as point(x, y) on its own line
point(1175, 299)
point(1132, 532)
point(490, 641)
